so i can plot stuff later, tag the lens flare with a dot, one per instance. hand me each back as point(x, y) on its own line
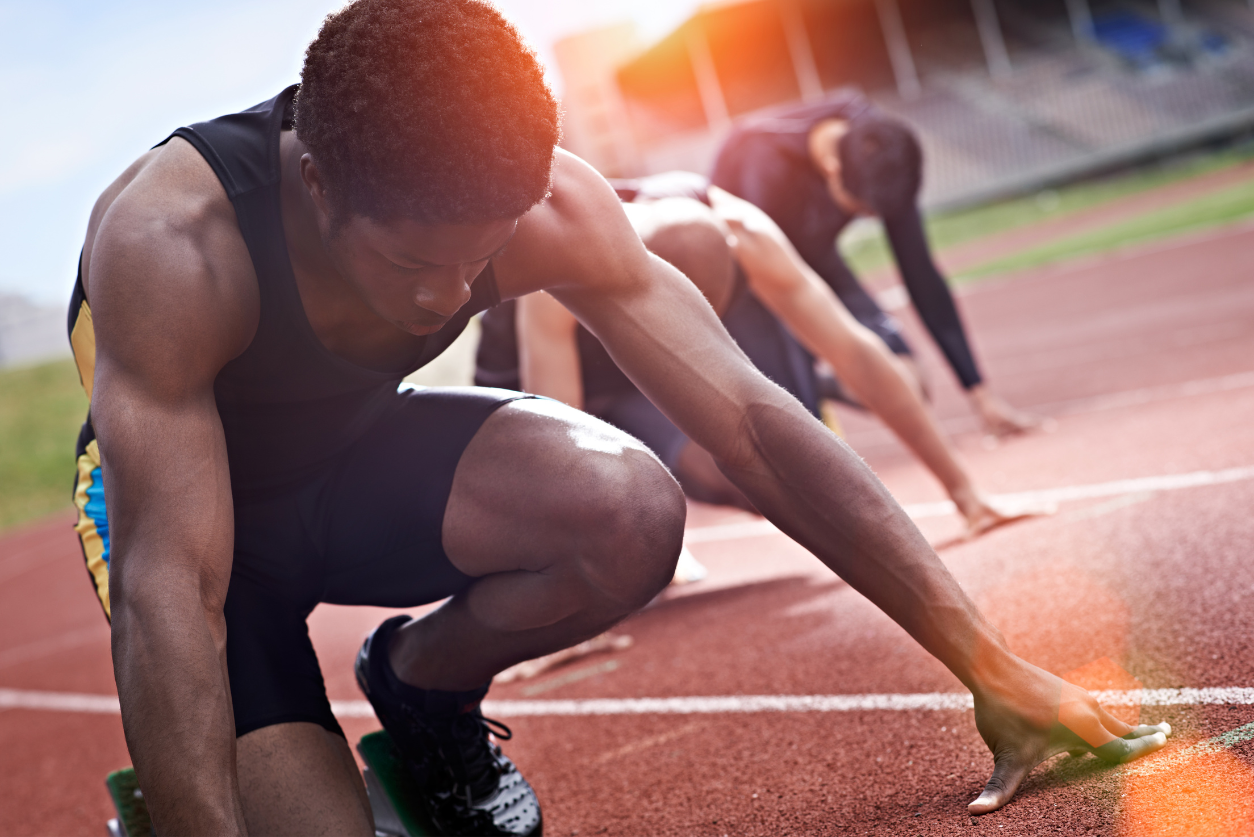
point(1200, 791)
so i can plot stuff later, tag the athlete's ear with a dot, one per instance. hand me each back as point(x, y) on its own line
point(312, 179)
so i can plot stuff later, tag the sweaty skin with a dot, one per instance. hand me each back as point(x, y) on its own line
point(174, 297)
point(780, 278)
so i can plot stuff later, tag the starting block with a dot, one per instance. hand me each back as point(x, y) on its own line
point(393, 791)
point(128, 800)
point(393, 795)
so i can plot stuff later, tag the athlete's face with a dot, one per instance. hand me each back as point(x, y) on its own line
point(415, 276)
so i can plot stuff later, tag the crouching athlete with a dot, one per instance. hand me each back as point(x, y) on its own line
point(253, 290)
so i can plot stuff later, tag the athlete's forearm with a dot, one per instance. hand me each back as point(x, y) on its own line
point(817, 491)
point(167, 489)
point(879, 383)
point(170, 665)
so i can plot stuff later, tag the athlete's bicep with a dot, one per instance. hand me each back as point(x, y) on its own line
point(165, 323)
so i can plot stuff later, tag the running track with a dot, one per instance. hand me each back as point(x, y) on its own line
point(827, 719)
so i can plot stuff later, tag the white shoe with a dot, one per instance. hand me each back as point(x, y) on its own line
point(688, 569)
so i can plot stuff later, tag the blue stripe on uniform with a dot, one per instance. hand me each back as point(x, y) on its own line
point(95, 509)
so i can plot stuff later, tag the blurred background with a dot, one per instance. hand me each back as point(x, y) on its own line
point(1014, 101)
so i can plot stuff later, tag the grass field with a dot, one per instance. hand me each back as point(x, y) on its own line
point(869, 251)
point(1209, 210)
point(41, 409)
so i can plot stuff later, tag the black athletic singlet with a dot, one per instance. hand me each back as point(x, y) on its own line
point(288, 404)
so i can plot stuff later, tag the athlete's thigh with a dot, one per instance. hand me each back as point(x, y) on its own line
point(632, 412)
point(379, 523)
point(541, 480)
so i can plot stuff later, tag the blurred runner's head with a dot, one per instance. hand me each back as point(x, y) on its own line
point(881, 165)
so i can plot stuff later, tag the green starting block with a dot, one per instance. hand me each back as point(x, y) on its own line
point(393, 791)
point(393, 795)
point(128, 801)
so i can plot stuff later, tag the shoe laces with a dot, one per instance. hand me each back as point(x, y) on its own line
point(472, 758)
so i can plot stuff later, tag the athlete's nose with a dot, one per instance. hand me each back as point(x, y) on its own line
point(444, 291)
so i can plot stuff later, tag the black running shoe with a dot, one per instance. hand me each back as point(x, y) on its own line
point(470, 787)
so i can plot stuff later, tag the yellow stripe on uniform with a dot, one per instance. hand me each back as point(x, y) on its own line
point(89, 534)
point(83, 342)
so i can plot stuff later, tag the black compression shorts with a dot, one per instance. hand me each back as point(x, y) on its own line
point(366, 530)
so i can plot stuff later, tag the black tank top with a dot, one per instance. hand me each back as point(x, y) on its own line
point(288, 404)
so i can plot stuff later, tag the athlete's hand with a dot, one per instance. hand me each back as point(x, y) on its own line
point(999, 418)
point(1033, 715)
point(983, 514)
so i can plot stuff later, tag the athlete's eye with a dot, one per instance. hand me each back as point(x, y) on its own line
point(403, 269)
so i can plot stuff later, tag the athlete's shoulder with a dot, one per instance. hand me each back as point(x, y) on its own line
point(163, 246)
point(579, 191)
point(571, 236)
point(169, 193)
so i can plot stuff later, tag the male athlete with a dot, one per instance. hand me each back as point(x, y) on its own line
point(813, 168)
point(736, 256)
point(252, 292)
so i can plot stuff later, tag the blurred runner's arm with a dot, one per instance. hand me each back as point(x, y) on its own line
point(935, 303)
point(548, 349)
point(165, 324)
point(664, 335)
point(812, 311)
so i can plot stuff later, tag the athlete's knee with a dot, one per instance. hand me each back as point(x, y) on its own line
point(632, 526)
point(607, 516)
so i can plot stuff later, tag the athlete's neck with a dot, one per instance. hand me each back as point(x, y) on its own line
point(300, 220)
point(822, 144)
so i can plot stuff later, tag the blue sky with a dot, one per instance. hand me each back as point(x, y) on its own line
point(85, 87)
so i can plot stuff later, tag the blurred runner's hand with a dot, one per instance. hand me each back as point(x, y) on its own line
point(983, 514)
point(1000, 419)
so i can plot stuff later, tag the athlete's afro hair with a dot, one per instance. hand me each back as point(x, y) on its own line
point(431, 110)
point(881, 164)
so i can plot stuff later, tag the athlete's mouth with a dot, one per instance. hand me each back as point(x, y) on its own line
point(425, 323)
point(421, 329)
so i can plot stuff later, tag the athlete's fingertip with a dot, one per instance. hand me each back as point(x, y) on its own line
point(1144, 746)
point(1144, 730)
point(984, 803)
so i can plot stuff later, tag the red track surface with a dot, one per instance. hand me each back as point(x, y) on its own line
point(1160, 584)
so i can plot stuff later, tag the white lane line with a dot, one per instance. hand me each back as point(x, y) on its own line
point(920, 511)
point(59, 701)
point(930, 701)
